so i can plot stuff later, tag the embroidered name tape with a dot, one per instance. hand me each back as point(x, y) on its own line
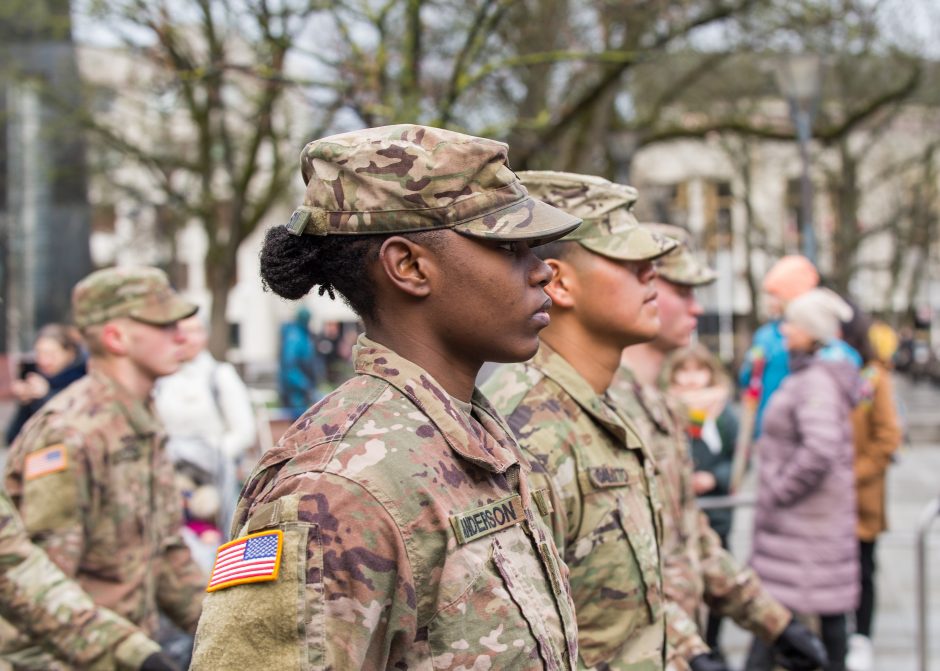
point(488, 519)
point(608, 476)
point(252, 558)
point(45, 461)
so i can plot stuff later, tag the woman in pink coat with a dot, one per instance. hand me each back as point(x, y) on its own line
point(805, 548)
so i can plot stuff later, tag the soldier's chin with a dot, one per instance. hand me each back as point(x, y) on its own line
point(523, 351)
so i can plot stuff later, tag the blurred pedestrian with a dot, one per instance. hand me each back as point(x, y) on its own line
point(301, 367)
point(89, 473)
point(54, 613)
point(393, 526)
point(767, 361)
point(209, 420)
point(697, 380)
point(697, 570)
point(59, 361)
point(805, 546)
point(604, 509)
point(877, 434)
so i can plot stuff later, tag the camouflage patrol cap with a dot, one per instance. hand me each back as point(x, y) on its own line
point(141, 293)
point(681, 266)
point(610, 228)
point(406, 178)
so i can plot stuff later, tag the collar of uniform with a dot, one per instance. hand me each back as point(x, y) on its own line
point(648, 397)
point(491, 449)
point(138, 414)
point(554, 366)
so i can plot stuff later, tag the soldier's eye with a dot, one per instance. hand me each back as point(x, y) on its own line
point(511, 247)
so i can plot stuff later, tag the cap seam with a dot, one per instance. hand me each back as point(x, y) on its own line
point(327, 141)
point(424, 209)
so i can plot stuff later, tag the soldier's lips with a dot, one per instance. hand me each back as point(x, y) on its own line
point(541, 315)
point(651, 297)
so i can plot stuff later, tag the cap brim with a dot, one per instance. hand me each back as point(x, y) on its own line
point(694, 274)
point(164, 311)
point(528, 220)
point(635, 244)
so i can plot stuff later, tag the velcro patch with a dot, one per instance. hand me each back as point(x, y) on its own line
point(43, 462)
point(608, 476)
point(488, 519)
point(543, 502)
point(251, 558)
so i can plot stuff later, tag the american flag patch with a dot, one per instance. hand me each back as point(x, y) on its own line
point(252, 558)
point(45, 461)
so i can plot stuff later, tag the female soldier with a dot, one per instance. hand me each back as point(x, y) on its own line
point(393, 526)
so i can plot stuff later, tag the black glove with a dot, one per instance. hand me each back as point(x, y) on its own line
point(799, 649)
point(709, 661)
point(158, 661)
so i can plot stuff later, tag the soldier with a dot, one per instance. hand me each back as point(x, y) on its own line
point(606, 516)
point(88, 471)
point(393, 526)
point(58, 616)
point(696, 568)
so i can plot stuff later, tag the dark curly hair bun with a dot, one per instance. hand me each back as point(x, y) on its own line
point(290, 265)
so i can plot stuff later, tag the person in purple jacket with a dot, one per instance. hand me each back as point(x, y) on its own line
point(805, 549)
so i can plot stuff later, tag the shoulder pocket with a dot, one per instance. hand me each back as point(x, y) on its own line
point(262, 624)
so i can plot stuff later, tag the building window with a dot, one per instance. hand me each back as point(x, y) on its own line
point(664, 204)
point(103, 219)
point(719, 201)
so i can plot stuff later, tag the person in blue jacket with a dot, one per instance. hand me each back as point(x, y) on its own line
point(767, 361)
point(300, 365)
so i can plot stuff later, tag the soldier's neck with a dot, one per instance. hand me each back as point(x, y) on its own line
point(457, 375)
point(595, 361)
point(125, 373)
point(645, 361)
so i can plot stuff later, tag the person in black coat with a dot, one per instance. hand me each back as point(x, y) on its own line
point(59, 361)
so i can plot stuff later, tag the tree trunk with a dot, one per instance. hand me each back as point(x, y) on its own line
point(221, 274)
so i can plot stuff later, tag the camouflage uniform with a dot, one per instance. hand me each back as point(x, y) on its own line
point(410, 533)
point(55, 613)
point(696, 569)
point(92, 483)
point(606, 513)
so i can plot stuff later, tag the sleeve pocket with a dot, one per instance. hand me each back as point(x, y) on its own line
point(261, 624)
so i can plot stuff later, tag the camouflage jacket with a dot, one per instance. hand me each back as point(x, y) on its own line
point(605, 512)
point(696, 569)
point(95, 490)
point(55, 613)
point(410, 540)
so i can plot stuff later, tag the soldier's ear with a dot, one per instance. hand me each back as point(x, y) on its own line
point(408, 265)
point(113, 337)
point(561, 288)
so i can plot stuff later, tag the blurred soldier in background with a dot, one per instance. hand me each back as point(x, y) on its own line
point(88, 472)
point(58, 616)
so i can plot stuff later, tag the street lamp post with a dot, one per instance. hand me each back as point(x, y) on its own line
point(799, 79)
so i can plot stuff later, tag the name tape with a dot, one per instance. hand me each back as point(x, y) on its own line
point(488, 519)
